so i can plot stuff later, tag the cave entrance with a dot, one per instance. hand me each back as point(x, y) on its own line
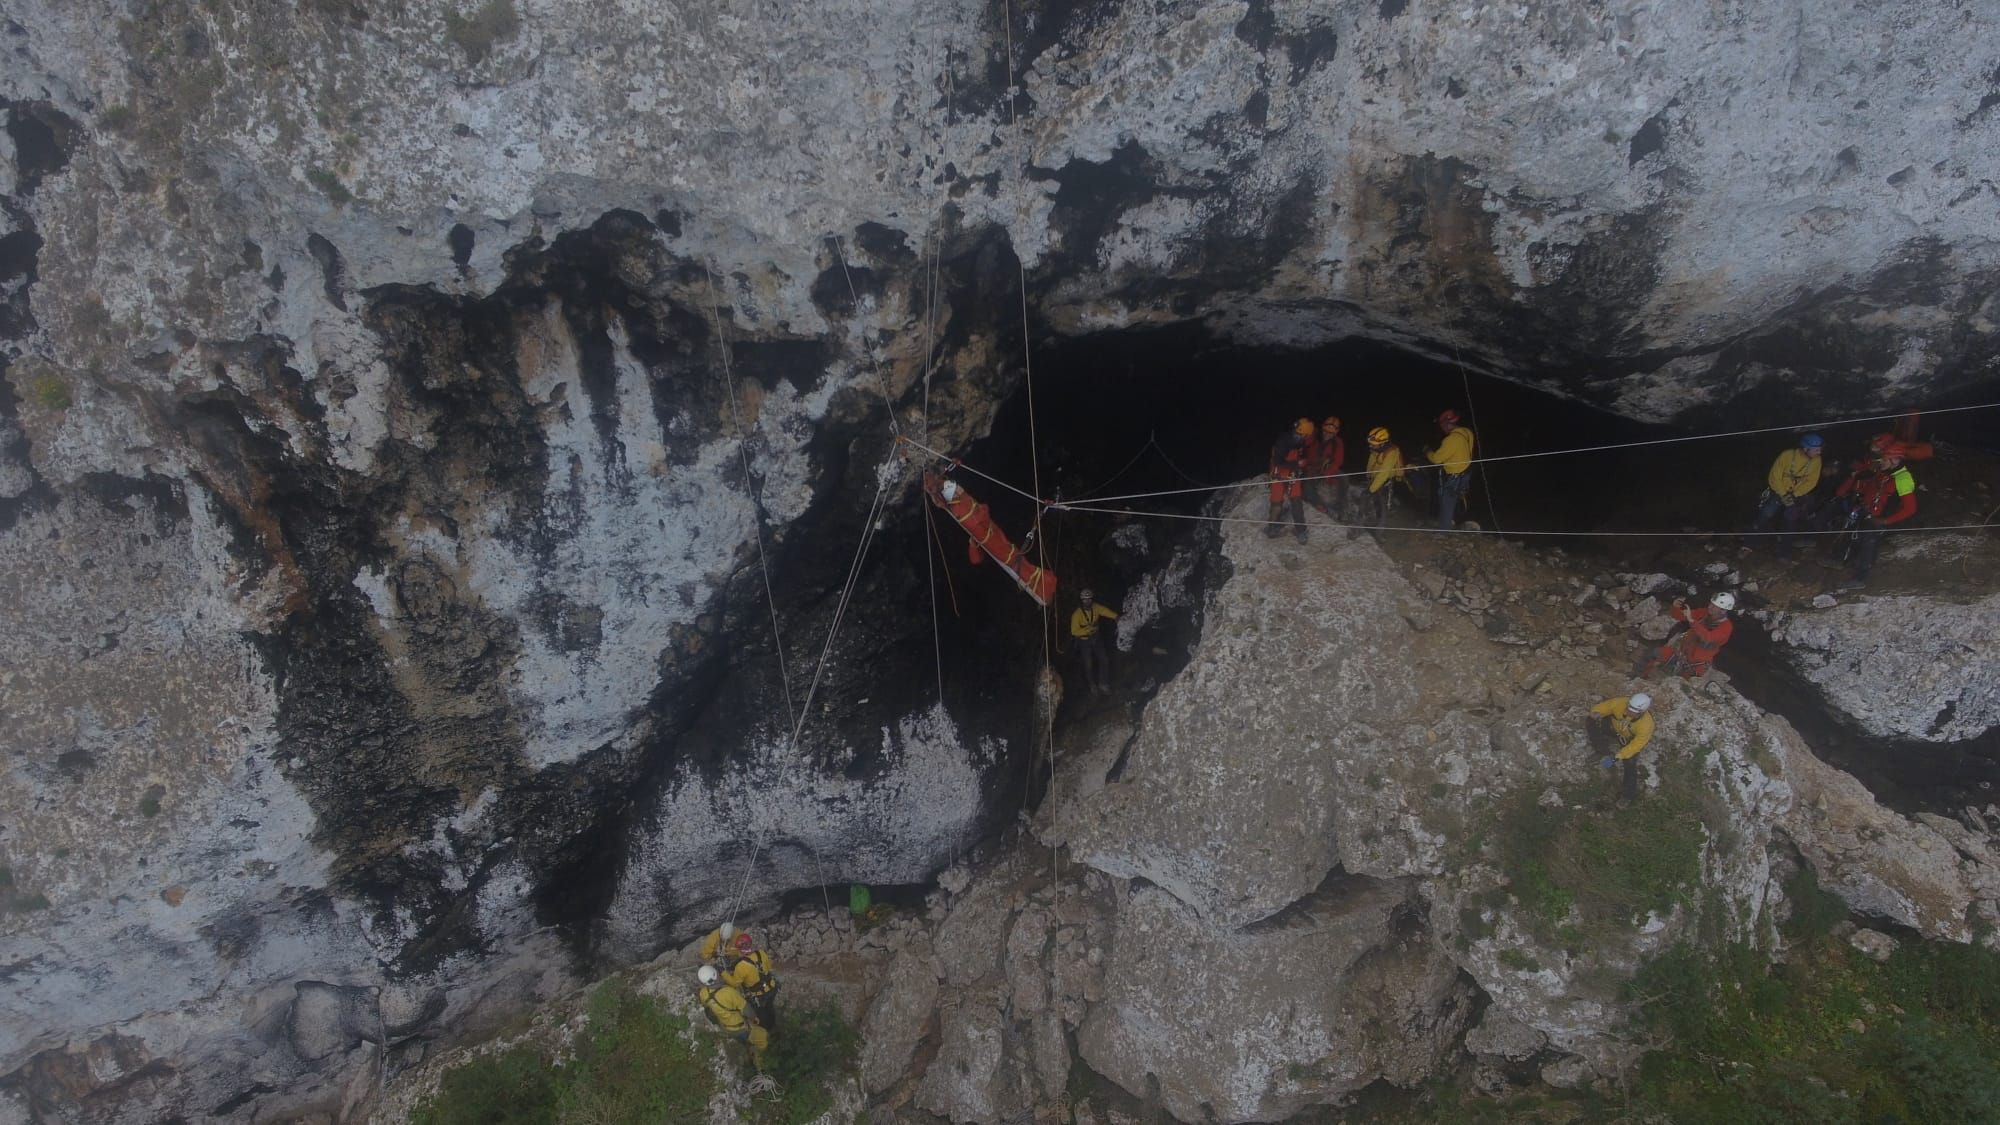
point(1172, 410)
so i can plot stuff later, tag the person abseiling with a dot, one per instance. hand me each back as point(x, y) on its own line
point(1453, 457)
point(1788, 489)
point(1090, 642)
point(1325, 487)
point(730, 1012)
point(1385, 469)
point(751, 972)
point(1618, 729)
point(1708, 629)
point(1870, 495)
point(1288, 465)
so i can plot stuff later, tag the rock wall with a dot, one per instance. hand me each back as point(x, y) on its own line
point(398, 402)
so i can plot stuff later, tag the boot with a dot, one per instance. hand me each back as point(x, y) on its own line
point(1274, 528)
point(1299, 520)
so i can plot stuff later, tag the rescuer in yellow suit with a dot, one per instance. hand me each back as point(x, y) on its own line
point(730, 1012)
point(1090, 646)
point(1620, 728)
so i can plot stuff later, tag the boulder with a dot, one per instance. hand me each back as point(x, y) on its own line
point(1260, 1022)
point(1902, 667)
point(896, 1020)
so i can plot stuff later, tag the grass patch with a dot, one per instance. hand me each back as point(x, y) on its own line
point(1515, 959)
point(330, 186)
point(513, 1087)
point(493, 22)
point(635, 1062)
point(1584, 873)
point(809, 1052)
point(47, 391)
point(1830, 1036)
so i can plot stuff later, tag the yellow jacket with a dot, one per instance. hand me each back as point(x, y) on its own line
point(711, 945)
point(1454, 452)
point(1384, 466)
point(1794, 474)
point(726, 1006)
point(752, 974)
point(1083, 625)
point(1634, 733)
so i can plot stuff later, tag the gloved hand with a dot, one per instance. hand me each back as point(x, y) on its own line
point(1608, 762)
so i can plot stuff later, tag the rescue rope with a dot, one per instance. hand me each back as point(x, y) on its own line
point(750, 482)
point(854, 295)
point(1731, 534)
point(1485, 482)
point(1792, 428)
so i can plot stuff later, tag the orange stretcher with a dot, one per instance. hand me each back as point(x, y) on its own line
point(988, 541)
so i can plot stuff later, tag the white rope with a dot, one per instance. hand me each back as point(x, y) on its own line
point(1793, 428)
point(750, 482)
point(1485, 482)
point(1513, 534)
point(854, 295)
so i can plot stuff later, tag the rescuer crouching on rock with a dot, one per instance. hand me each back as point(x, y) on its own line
point(1618, 729)
point(1691, 654)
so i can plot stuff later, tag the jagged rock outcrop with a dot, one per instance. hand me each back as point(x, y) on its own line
point(1902, 666)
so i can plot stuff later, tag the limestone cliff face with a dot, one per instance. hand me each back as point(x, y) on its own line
point(398, 400)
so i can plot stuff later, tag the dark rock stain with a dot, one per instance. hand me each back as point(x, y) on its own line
point(1651, 137)
point(460, 239)
point(332, 270)
point(1310, 51)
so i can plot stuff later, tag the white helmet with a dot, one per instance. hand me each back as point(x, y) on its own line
point(728, 930)
point(1725, 601)
point(707, 974)
point(1639, 703)
point(950, 490)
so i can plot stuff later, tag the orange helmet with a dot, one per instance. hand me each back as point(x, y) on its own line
point(1378, 436)
point(1303, 427)
point(1448, 418)
point(1332, 423)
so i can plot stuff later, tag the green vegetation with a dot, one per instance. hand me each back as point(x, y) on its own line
point(1828, 1036)
point(637, 1062)
point(149, 802)
point(13, 901)
point(1611, 863)
point(810, 1048)
point(1516, 959)
point(492, 22)
point(117, 118)
point(330, 186)
point(513, 1087)
point(47, 391)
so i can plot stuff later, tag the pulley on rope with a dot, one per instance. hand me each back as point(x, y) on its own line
point(987, 540)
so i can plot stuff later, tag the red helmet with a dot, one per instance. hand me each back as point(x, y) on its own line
point(1332, 423)
point(1448, 418)
point(1893, 451)
point(743, 942)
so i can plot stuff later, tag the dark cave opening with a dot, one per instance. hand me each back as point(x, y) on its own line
point(1174, 410)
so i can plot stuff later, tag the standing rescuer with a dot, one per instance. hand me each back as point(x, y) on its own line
point(1385, 469)
point(1091, 642)
point(1618, 729)
point(1872, 492)
point(1288, 466)
point(1788, 489)
point(1453, 456)
point(1708, 629)
point(1326, 488)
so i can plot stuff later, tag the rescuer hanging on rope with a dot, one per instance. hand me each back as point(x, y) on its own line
point(987, 540)
point(729, 1011)
point(1091, 641)
point(1288, 466)
point(744, 967)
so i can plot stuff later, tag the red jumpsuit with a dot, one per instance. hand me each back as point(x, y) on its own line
point(1708, 630)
